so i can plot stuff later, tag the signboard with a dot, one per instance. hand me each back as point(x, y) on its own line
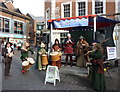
point(71, 23)
point(111, 53)
point(52, 74)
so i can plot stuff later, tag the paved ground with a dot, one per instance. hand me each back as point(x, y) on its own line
point(72, 78)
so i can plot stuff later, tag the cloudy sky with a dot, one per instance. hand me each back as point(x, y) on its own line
point(34, 7)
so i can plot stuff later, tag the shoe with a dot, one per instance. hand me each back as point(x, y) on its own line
point(10, 75)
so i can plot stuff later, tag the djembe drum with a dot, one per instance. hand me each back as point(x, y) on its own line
point(54, 56)
point(44, 59)
point(27, 64)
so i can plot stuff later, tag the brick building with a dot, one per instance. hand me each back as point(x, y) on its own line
point(36, 26)
point(14, 25)
point(73, 8)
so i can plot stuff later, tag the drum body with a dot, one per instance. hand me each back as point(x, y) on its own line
point(26, 65)
point(54, 56)
point(44, 59)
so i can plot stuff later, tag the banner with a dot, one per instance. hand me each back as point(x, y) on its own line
point(71, 23)
point(111, 53)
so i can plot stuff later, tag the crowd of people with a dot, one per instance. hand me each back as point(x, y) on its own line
point(84, 54)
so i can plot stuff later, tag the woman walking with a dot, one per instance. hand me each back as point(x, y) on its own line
point(7, 53)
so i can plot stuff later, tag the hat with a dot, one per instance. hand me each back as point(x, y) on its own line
point(95, 41)
point(42, 45)
point(81, 37)
point(69, 35)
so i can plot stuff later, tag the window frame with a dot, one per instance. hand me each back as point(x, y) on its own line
point(104, 7)
point(62, 9)
point(86, 7)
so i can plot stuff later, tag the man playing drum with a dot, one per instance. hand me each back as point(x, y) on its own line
point(42, 58)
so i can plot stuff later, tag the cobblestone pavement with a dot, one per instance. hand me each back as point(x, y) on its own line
point(72, 78)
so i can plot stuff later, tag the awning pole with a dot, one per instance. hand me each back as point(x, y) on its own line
point(51, 34)
point(94, 28)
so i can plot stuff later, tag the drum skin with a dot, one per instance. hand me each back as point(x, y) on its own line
point(44, 60)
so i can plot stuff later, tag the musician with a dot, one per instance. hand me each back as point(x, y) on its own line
point(41, 52)
point(38, 49)
point(56, 48)
point(7, 53)
point(98, 79)
point(81, 45)
point(24, 54)
point(69, 43)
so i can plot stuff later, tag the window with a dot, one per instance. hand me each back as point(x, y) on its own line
point(18, 27)
point(48, 14)
point(81, 8)
point(6, 21)
point(4, 24)
point(66, 9)
point(99, 7)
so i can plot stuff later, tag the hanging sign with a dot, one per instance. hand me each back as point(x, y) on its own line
point(52, 74)
point(71, 23)
point(111, 53)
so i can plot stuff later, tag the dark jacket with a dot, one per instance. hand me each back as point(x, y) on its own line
point(5, 51)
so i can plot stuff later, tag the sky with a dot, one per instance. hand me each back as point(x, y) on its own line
point(34, 7)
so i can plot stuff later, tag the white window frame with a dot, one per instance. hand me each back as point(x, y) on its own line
point(86, 8)
point(9, 23)
point(62, 9)
point(104, 7)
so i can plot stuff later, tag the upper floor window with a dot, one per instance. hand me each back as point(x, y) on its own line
point(48, 14)
point(66, 10)
point(4, 24)
point(98, 7)
point(18, 27)
point(81, 8)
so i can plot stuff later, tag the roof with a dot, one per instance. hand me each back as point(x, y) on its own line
point(8, 7)
point(39, 18)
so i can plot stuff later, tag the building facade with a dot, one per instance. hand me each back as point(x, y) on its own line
point(14, 25)
point(36, 26)
point(74, 8)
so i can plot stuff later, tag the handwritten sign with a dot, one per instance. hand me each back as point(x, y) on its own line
point(111, 53)
point(52, 74)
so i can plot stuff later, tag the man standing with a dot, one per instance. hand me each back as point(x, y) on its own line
point(69, 49)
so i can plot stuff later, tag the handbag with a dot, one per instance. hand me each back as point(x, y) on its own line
point(11, 54)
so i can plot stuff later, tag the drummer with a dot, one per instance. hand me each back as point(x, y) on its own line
point(24, 54)
point(41, 52)
point(56, 48)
